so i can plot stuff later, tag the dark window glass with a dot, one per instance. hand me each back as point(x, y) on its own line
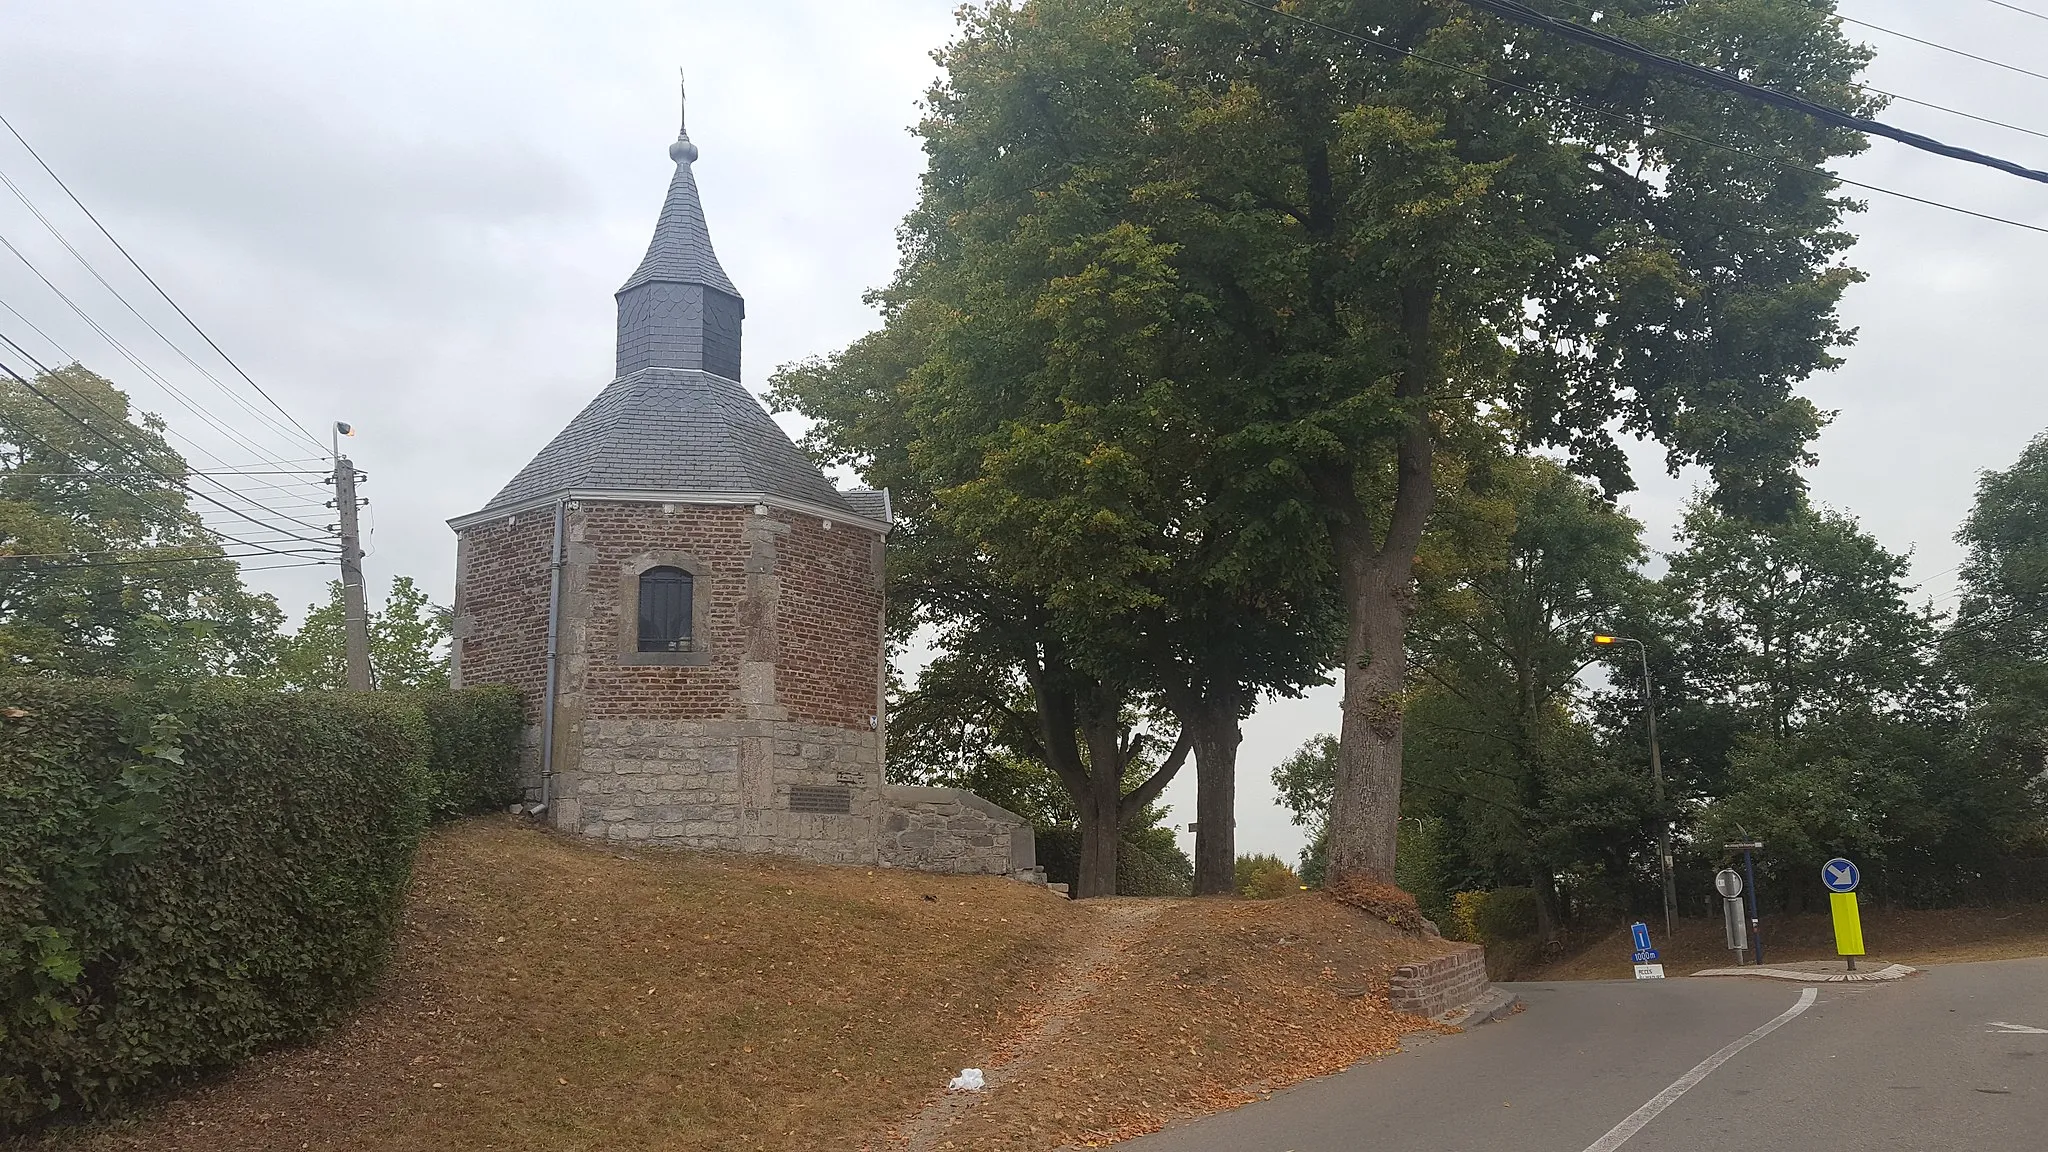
point(665, 610)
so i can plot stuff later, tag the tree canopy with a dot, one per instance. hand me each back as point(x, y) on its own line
point(1179, 265)
point(105, 568)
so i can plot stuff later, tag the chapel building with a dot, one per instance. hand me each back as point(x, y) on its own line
point(694, 613)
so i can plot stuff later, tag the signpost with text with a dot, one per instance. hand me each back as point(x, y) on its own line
point(1645, 956)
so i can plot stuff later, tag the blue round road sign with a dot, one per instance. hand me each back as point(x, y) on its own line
point(1839, 875)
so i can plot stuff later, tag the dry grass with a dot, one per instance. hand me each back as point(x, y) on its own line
point(1210, 1004)
point(1949, 936)
point(551, 994)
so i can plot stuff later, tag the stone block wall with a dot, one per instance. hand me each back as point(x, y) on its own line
point(950, 830)
point(725, 784)
point(1434, 987)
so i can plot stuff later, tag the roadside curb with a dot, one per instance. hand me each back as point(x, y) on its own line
point(1889, 972)
point(1497, 1004)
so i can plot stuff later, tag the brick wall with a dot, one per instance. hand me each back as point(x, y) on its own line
point(1434, 987)
point(827, 609)
point(712, 749)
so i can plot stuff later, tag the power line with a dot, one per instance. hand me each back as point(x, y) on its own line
point(94, 405)
point(2016, 8)
point(1638, 121)
point(144, 559)
point(1914, 100)
point(1520, 13)
point(47, 338)
point(50, 227)
point(1953, 111)
point(1941, 47)
point(90, 427)
point(190, 405)
point(171, 560)
point(133, 263)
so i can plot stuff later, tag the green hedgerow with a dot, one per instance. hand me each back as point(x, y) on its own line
point(189, 876)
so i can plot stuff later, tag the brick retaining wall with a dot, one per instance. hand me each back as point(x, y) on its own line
point(1434, 987)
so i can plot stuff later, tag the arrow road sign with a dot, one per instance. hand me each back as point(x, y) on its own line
point(1840, 875)
point(2001, 1028)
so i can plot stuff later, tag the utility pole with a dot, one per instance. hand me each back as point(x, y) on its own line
point(355, 611)
point(1664, 861)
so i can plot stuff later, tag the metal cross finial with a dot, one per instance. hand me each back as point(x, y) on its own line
point(682, 151)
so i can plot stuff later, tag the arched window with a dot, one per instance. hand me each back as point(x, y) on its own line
point(666, 595)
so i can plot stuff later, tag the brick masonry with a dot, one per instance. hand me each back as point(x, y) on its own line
point(709, 749)
point(1434, 987)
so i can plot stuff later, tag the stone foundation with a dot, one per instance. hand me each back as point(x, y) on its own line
point(949, 830)
point(733, 785)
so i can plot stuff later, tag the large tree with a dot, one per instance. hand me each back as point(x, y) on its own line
point(408, 642)
point(105, 568)
point(1335, 266)
point(1998, 647)
point(1796, 622)
point(1535, 563)
point(1797, 648)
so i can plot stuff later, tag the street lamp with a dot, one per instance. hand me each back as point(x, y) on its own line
point(1656, 776)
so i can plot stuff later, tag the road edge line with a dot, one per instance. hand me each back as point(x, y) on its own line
point(1641, 1117)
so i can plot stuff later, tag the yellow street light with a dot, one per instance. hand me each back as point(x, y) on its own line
point(1603, 639)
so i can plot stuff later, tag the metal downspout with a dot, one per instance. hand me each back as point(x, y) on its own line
point(547, 715)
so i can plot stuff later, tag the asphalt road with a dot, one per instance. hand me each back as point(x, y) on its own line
point(1926, 1063)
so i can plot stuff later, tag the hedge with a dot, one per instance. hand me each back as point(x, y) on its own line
point(473, 765)
point(189, 877)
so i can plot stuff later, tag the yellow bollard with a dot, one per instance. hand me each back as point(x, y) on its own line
point(1848, 926)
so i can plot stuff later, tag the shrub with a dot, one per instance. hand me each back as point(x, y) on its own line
point(187, 878)
point(473, 765)
point(1147, 861)
point(1504, 921)
point(1143, 868)
point(1265, 878)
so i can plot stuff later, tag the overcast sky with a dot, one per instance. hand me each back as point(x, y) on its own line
point(412, 216)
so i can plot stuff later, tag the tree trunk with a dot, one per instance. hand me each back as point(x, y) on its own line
point(1212, 721)
point(1102, 807)
point(1548, 922)
point(1376, 578)
point(1100, 828)
point(1365, 804)
point(1074, 711)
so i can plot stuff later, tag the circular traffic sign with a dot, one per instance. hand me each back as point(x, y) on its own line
point(1840, 875)
point(1728, 882)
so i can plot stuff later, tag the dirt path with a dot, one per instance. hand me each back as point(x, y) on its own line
point(1123, 922)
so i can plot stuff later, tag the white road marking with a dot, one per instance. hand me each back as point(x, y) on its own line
point(2001, 1028)
point(1641, 1117)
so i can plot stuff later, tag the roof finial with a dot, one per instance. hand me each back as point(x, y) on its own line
point(682, 151)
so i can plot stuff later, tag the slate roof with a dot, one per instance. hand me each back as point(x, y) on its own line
point(872, 503)
point(668, 430)
point(678, 431)
point(681, 252)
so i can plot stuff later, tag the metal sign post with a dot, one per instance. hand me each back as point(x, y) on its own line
point(1728, 883)
point(1841, 878)
point(1756, 926)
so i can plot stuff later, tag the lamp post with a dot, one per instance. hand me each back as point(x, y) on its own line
point(1656, 777)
